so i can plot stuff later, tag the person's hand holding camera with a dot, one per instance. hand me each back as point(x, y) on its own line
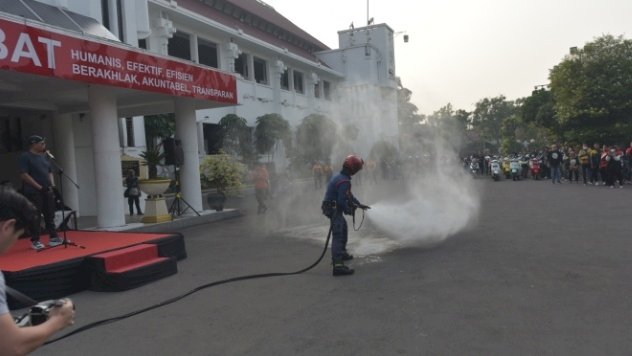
point(63, 315)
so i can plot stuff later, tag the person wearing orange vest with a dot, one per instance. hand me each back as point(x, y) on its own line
point(371, 166)
point(261, 178)
point(317, 171)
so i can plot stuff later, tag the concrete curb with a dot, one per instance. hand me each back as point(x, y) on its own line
point(205, 217)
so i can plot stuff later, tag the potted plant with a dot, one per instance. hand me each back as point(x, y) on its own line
point(153, 157)
point(155, 204)
point(154, 185)
point(222, 172)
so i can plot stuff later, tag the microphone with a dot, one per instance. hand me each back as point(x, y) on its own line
point(50, 155)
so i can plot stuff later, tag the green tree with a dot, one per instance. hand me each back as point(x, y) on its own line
point(591, 91)
point(511, 142)
point(315, 138)
point(271, 128)
point(489, 115)
point(233, 127)
point(237, 138)
point(539, 109)
point(384, 151)
point(539, 123)
point(407, 111)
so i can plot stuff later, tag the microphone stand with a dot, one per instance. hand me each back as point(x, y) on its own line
point(64, 226)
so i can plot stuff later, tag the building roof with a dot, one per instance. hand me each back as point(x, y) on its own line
point(56, 16)
point(259, 20)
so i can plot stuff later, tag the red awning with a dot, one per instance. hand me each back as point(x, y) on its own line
point(31, 49)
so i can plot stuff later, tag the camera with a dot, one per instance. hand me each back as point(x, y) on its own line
point(38, 313)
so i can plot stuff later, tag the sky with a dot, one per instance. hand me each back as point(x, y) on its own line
point(461, 51)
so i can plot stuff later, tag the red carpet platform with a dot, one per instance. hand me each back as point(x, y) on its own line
point(111, 261)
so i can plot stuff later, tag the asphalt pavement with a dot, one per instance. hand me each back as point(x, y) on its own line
point(545, 270)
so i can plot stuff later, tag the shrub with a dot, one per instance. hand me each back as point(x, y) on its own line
point(221, 172)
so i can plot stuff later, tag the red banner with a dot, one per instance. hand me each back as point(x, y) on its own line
point(33, 50)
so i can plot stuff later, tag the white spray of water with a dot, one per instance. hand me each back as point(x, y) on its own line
point(441, 202)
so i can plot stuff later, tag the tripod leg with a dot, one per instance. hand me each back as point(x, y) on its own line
point(180, 211)
point(190, 207)
point(172, 208)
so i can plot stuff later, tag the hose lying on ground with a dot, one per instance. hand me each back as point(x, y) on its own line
point(194, 290)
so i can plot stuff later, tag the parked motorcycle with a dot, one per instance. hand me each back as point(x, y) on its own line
point(515, 168)
point(524, 166)
point(506, 167)
point(495, 170)
point(475, 167)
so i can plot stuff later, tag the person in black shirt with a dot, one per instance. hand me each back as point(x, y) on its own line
point(555, 161)
point(37, 181)
point(132, 192)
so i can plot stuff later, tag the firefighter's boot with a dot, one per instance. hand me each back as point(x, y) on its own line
point(341, 270)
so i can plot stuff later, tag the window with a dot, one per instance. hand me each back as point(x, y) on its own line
point(317, 90)
point(10, 134)
point(142, 43)
point(105, 13)
point(129, 130)
point(261, 71)
point(285, 80)
point(298, 82)
point(327, 90)
point(207, 53)
point(241, 65)
point(119, 17)
point(179, 46)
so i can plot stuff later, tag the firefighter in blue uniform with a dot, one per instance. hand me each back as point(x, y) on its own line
point(338, 201)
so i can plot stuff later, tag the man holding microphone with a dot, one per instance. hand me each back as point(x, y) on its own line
point(37, 179)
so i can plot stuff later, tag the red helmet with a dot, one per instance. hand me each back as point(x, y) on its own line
point(353, 163)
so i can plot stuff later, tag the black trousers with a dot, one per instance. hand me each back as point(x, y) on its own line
point(45, 203)
point(261, 195)
point(131, 201)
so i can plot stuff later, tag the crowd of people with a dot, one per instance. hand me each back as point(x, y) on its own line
point(606, 165)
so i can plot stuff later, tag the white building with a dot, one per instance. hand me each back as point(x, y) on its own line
point(276, 67)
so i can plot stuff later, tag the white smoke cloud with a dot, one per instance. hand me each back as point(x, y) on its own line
point(440, 203)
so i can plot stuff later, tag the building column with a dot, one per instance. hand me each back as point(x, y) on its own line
point(107, 157)
point(122, 131)
point(251, 67)
point(278, 69)
point(200, 138)
point(193, 46)
point(186, 131)
point(65, 154)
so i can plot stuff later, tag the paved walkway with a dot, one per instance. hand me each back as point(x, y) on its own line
point(545, 271)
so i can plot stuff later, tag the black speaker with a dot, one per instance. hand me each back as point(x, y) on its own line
point(174, 155)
